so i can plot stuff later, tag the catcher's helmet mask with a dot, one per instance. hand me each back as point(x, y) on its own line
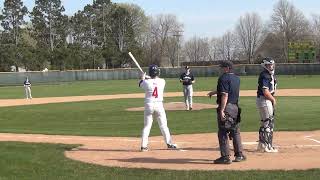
point(269, 64)
point(154, 71)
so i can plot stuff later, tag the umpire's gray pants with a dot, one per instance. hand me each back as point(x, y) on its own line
point(188, 93)
point(223, 136)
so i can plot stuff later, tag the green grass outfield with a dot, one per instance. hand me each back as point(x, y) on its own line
point(108, 118)
point(79, 88)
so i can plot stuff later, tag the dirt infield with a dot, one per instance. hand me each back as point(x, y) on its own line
point(297, 150)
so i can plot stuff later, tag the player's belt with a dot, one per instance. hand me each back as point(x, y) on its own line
point(258, 96)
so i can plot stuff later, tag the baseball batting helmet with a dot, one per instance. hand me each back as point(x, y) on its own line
point(154, 71)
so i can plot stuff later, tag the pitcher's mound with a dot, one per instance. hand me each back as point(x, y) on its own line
point(177, 106)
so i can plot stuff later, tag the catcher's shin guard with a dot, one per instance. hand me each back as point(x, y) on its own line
point(271, 125)
point(266, 132)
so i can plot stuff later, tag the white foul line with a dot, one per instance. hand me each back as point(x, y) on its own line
point(287, 146)
point(309, 137)
point(250, 143)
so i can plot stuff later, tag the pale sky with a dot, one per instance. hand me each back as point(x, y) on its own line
point(202, 18)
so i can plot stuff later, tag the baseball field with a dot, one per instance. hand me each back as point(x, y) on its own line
point(83, 130)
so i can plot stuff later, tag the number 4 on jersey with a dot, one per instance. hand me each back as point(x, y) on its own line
point(155, 92)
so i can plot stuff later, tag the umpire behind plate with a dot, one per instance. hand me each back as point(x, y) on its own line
point(228, 114)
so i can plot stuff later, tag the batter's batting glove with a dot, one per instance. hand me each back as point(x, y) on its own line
point(143, 76)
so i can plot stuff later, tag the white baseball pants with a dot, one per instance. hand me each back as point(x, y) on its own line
point(188, 93)
point(28, 92)
point(265, 107)
point(155, 109)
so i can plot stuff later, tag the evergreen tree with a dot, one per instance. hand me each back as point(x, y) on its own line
point(49, 22)
point(50, 29)
point(12, 18)
point(102, 10)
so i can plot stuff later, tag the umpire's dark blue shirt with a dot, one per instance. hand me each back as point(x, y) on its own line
point(266, 81)
point(228, 83)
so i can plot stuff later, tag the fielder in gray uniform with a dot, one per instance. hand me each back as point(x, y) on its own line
point(27, 88)
point(187, 79)
point(266, 103)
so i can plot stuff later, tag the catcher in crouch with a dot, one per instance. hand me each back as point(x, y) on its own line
point(266, 103)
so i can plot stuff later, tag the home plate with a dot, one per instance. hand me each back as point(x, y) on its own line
point(250, 143)
point(182, 150)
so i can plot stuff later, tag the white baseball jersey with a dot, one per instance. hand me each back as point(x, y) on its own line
point(153, 106)
point(153, 89)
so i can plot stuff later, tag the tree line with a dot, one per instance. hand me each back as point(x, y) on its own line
point(102, 33)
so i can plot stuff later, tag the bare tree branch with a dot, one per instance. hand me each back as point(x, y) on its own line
point(249, 31)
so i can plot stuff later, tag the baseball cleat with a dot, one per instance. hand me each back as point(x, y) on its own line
point(266, 148)
point(262, 147)
point(172, 146)
point(240, 158)
point(190, 108)
point(273, 150)
point(222, 160)
point(270, 150)
point(144, 149)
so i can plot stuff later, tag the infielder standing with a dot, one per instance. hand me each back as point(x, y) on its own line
point(27, 88)
point(187, 80)
point(265, 103)
point(153, 105)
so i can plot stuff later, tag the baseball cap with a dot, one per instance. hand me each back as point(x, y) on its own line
point(187, 67)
